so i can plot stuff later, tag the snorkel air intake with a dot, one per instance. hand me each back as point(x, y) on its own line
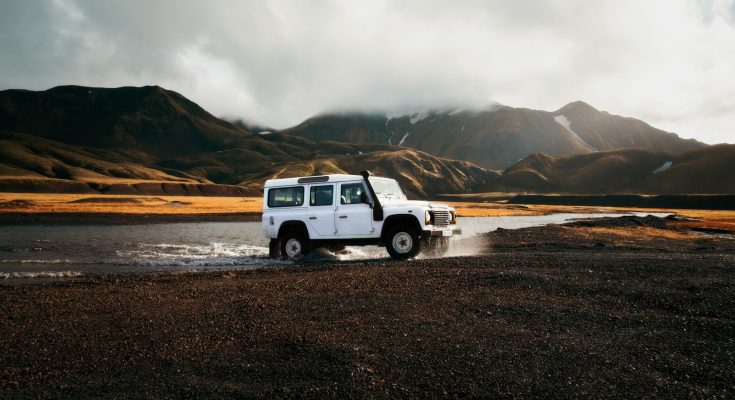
point(377, 208)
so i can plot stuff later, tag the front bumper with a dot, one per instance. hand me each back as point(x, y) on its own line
point(443, 232)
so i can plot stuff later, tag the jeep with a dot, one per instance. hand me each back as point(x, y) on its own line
point(333, 211)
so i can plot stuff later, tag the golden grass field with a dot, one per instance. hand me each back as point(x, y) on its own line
point(126, 204)
point(137, 204)
point(191, 205)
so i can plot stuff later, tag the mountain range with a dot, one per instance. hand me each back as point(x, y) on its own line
point(498, 136)
point(155, 141)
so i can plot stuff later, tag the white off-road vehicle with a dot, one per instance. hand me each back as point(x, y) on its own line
point(333, 211)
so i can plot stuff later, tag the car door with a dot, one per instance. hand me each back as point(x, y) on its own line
point(321, 209)
point(353, 217)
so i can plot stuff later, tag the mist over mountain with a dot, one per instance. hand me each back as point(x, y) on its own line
point(495, 137)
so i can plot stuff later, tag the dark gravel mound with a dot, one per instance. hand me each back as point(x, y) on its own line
point(624, 235)
point(621, 222)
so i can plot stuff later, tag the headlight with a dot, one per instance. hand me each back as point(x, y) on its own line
point(454, 218)
point(428, 217)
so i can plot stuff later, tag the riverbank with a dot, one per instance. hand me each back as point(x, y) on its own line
point(638, 201)
point(551, 312)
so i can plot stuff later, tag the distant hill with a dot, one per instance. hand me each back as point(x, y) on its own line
point(29, 163)
point(159, 122)
point(707, 170)
point(32, 164)
point(497, 136)
point(420, 175)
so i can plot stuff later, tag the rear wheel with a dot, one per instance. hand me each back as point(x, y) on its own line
point(403, 243)
point(294, 245)
point(274, 248)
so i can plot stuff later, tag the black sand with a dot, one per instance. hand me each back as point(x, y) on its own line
point(529, 322)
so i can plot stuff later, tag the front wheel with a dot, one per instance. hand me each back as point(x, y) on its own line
point(294, 245)
point(403, 244)
point(436, 246)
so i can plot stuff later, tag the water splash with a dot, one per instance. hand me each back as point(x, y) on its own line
point(209, 254)
point(40, 274)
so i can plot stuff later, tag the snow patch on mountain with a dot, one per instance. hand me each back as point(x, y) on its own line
point(663, 167)
point(403, 139)
point(563, 121)
point(421, 115)
point(393, 115)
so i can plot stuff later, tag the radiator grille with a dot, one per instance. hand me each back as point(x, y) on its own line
point(442, 218)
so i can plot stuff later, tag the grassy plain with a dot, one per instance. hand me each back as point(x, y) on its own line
point(43, 203)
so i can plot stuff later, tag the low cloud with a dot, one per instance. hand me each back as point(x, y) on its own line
point(667, 62)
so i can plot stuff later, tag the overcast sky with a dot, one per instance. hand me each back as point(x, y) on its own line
point(669, 62)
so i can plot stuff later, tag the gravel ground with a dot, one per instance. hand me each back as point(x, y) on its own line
point(528, 323)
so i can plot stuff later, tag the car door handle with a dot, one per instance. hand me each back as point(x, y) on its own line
point(343, 216)
point(312, 217)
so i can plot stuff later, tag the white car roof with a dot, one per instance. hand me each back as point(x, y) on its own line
point(316, 179)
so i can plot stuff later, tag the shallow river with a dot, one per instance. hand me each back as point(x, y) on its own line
point(49, 251)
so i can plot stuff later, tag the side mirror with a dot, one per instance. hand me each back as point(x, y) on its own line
point(364, 198)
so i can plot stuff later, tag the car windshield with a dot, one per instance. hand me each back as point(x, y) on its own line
point(387, 189)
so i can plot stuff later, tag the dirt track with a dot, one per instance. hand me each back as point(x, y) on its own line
point(602, 323)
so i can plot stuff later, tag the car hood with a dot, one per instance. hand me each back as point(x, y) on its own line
point(412, 203)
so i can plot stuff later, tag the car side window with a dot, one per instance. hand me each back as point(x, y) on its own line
point(350, 193)
point(321, 195)
point(286, 197)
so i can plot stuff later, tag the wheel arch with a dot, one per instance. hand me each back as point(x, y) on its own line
point(298, 226)
point(399, 220)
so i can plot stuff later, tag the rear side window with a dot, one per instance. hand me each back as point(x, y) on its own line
point(351, 193)
point(321, 195)
point(286, 197)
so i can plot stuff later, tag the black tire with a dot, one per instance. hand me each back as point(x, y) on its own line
point(294, 245)
point(402, 243)
point(274, 248)
point(436, 246)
